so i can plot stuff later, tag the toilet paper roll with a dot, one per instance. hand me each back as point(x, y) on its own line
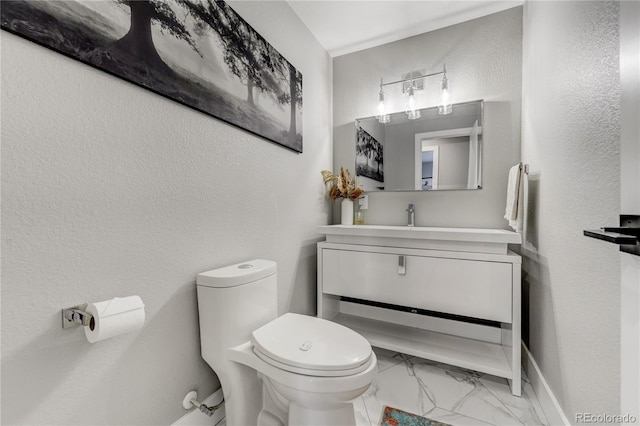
point(114, 317)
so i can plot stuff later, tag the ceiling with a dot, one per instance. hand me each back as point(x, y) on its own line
point(346, 26)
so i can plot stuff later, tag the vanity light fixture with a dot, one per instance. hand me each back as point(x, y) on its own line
point(412, 111)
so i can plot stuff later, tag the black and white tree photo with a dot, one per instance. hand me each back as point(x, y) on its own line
point(200, 53)
point(369, 156)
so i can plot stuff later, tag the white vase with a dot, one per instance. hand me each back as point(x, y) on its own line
point(346, 208)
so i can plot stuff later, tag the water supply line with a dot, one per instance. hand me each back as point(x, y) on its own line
point(190, 400)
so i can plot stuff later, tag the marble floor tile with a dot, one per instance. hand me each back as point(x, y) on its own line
point(448, 417)
point(362, 417)
point(387, 359)
point(527, 408)
point(447, 394)
point(397, 387)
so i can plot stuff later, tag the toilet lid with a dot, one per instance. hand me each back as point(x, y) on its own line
point(312, 346)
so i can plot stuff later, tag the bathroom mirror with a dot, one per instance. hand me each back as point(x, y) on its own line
point(433, 152)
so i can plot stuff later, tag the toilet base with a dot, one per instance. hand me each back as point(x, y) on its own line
point(316, 408)
point(299, 415)
point(296, 400)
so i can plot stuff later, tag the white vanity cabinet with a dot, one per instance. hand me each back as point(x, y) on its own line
point(447, 294)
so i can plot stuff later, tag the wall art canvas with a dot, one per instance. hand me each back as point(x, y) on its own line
point(369, 156)
point(199, 53)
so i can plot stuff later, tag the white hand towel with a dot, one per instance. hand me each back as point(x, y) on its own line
point(518, 223)
point(513, 192)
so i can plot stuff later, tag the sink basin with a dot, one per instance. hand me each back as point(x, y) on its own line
point(454, 239)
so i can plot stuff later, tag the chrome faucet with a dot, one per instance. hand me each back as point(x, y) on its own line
point(411, 219)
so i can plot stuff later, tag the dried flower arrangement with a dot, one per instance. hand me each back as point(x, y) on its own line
point(342, 186)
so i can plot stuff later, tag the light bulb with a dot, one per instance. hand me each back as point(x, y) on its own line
point(445, 97)
point(381, 106)
point(412, 112)
point(382, 115)
point(411, 104)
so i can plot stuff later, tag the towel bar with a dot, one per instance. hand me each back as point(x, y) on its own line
point(627, 235)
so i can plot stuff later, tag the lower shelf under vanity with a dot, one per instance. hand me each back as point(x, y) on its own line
point(459, 351)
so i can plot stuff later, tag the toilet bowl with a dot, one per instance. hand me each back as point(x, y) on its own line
point(294, 369)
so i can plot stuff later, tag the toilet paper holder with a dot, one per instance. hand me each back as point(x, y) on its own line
point(75, 316)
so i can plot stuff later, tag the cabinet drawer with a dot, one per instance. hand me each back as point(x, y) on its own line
point(462, 287)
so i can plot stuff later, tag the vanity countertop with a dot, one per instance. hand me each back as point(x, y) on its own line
point(477, 235)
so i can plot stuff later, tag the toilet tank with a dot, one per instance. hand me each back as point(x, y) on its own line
point(232, 302)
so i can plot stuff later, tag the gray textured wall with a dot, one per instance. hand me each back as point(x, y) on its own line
point(571, 139)
point(110, 190)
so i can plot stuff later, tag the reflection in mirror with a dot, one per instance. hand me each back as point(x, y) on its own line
point(434, 152)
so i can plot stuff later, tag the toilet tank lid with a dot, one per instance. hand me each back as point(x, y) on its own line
point(238, 274)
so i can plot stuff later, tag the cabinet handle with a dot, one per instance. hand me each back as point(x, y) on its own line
point(402, 265)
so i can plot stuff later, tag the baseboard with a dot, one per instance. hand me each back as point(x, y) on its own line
point(196, 418)
point(547, 399)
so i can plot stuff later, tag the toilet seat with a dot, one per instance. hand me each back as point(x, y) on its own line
point(311, 346)
point(309, 371)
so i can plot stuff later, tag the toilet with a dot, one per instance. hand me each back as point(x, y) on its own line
point(288, 370)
